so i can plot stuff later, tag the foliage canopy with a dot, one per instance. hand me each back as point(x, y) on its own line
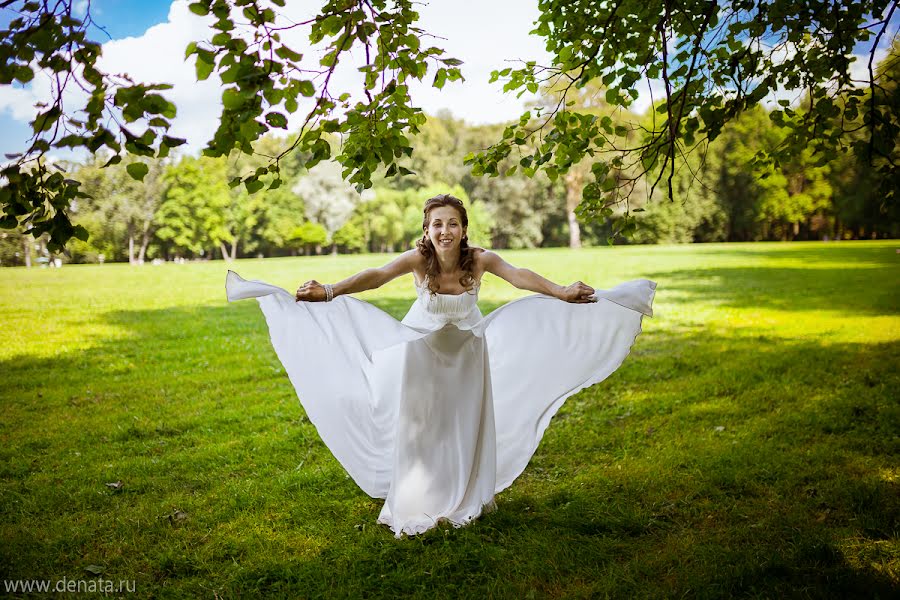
point(712, 61)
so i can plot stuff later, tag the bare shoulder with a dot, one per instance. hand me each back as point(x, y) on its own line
point(485, 258)
point(491, 262)
point(412, 257)
point(407, 262)
point(478, 254)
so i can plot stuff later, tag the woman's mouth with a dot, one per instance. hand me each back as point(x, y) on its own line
point(446, 241)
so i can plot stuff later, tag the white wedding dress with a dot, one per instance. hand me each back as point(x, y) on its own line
point(441, 411)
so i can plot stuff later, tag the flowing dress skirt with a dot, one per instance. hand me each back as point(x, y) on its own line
point(443, 410)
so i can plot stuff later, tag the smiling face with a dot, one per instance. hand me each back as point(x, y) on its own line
point(445, 228)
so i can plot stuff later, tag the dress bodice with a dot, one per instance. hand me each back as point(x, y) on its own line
point(459, 309)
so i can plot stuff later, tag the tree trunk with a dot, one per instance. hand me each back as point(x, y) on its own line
point(224, 251)
point(142, 251)
point(26, 249)
point(574, 231)
point(130, 243)
point(574, 181)
point(234, 245)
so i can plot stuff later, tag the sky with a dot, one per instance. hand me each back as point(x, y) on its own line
point(146, 38)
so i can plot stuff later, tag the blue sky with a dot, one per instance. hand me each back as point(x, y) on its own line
point(146, 38)
point(121, 18)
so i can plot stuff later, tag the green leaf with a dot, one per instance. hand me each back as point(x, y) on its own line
point(288, 54)
point(24, 74)
point(253, 185)
point(46, 120)
point(80, 233)
point(137, 170)
point(307, 88)
point(173, 142)
point(439, 79)
point(199, 8)
point(205, 64)
point(232, 99)
point(276, 119)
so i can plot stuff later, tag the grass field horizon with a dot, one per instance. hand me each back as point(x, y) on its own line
point(749, 445)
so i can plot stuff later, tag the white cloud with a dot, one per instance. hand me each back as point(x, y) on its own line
point(19, 101)
point(859, 68)
point(158, 57)
point(486, 36)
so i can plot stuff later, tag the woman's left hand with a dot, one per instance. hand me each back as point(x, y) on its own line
point(578, 292)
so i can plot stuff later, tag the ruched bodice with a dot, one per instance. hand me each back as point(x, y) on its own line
point(430, 310)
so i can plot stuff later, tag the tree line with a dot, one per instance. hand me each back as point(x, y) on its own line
point(185, 207)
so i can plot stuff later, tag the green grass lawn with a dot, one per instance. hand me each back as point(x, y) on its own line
point(749, 446)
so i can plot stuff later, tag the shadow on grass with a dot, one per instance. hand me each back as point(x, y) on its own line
point(707, 466)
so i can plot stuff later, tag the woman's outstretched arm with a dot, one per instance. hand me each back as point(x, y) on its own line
point(368, 279)
point(525, 279)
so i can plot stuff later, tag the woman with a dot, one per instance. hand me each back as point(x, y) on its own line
point(443, 410)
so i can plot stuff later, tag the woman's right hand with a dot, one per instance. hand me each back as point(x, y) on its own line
point(311, 291)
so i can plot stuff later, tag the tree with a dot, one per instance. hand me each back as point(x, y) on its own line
point(381, 219)
point(16, 248)
point(310, 236)
point(350, 237)
point(714, 63)
point(329, 199)
point(586, 100)
point(193, 215)
point(279, 217)
point(860, 209)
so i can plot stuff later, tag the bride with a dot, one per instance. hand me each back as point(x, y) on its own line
point(443, 410)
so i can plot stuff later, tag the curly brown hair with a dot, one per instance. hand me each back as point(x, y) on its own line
point(466, 254)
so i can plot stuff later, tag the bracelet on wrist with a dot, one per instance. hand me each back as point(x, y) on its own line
point(329, 292)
